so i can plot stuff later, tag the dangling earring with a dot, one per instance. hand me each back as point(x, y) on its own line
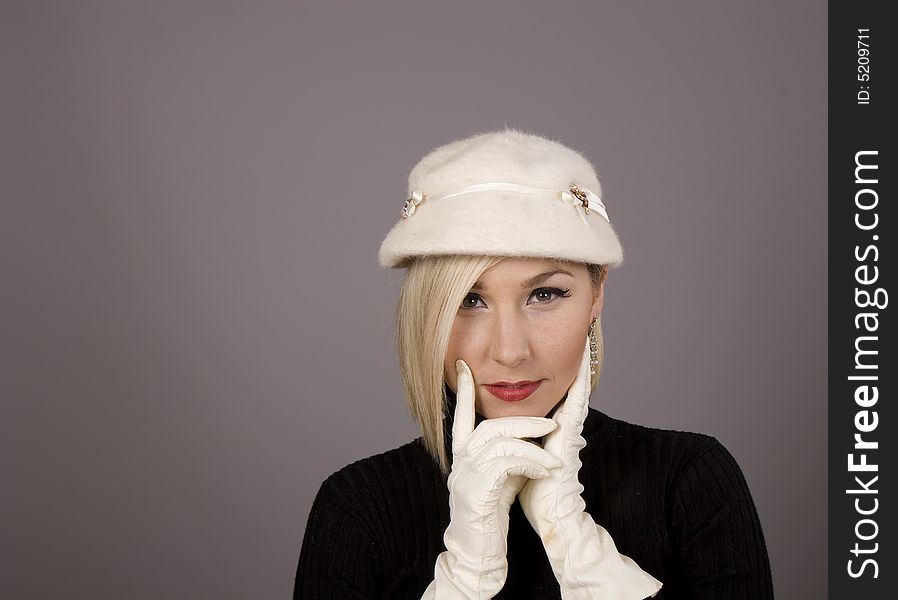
point(593, 350)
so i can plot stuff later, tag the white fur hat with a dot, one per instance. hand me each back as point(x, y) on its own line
point(503, 193)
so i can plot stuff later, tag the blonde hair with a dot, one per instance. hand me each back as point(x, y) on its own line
point(432, 291)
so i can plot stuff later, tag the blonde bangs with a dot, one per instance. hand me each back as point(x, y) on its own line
point(428, 302)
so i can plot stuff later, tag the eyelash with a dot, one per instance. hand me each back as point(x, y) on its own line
point(557, 292)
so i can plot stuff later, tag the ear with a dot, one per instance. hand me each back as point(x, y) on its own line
point(599, 300)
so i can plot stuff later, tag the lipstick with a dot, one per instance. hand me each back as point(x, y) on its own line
point(508, 391)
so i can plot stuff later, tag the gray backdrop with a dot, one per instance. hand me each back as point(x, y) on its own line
point(195, 331)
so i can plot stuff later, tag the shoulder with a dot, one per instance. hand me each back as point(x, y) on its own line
point(362, 487)
point(673, 449)
point(364, 475)
point(677, 464)
point(688, 464)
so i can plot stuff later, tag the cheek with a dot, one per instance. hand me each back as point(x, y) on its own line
point(464, 341)
point(456, 348)
point(565, 347)
point(573, 353)
point(469, 340)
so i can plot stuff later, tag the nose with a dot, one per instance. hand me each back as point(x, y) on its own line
point(510, 340)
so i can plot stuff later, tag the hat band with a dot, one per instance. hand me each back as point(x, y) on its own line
point(574, 196)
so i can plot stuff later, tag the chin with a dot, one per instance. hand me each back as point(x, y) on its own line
point(515, 409)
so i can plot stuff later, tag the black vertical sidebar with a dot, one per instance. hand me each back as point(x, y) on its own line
point(863, 370)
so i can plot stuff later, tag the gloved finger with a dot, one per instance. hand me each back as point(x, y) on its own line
point(509, 427)
point(506, 467)
point(464, 419)
point(576, 406)
point(538, 502)
point(503, 448)
point(554, 441)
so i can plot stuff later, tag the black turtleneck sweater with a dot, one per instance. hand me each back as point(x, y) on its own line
point(675, 502)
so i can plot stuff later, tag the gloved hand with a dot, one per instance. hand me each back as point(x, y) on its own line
point(583, 556)
point(490, 464)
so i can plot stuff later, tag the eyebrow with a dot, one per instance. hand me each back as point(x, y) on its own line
point(536, 279)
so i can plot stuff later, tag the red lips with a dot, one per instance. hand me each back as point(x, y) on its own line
point(510, 391)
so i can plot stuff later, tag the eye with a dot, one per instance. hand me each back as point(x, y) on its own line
point(549, 294)
point(470, 301)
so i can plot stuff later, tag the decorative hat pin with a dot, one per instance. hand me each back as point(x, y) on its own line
point(574, 196)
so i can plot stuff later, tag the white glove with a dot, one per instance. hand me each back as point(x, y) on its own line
point(490, 464)
point(583, 556)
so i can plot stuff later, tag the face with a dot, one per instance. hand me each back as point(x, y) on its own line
point(522, 330)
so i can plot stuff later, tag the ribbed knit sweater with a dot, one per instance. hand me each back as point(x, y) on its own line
point(675, 502)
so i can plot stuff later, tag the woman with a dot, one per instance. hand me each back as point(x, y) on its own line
point(516, 488)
